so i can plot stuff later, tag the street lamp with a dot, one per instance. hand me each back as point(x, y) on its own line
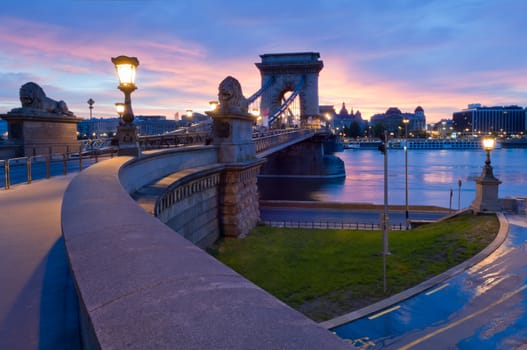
point(127, 132)
point(90, 103)
point(125, 67)
point(487, 185)
point(406, 121)
point(213, 105)
point(119, 107)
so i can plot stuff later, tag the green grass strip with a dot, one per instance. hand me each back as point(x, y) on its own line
point(327, 273)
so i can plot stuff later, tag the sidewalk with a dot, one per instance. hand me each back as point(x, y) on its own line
point(38, 305)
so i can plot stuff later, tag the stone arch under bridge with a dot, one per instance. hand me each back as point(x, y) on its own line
point(291, 72)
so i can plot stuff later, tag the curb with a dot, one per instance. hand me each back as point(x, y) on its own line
point(397, 298)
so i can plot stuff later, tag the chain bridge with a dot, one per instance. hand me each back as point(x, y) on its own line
point(140, 274)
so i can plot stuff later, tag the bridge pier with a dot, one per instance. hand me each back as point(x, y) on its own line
point(239, 208)
point(307, 159)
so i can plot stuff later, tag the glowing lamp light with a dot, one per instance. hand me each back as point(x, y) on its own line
point(213, 105)
point(125, 67)
point(119, 107)
point(189, 113)
point(488, 144)
point(255, 112)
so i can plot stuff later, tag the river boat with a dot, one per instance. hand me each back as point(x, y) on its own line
point(454, 144)
point(514, 143)
point(373, 144)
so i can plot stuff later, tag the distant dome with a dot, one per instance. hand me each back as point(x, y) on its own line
point(343, 110)
point(393, 110)
point(419, 109)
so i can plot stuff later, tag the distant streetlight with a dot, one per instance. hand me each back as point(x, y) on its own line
point(406, 121)
point(384, 218)
point(90, 103)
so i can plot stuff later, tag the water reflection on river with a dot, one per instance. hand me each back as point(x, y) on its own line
point(431, 175)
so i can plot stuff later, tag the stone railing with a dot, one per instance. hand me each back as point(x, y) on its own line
point(143, 286)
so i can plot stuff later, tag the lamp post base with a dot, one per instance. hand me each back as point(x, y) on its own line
point(127, 137)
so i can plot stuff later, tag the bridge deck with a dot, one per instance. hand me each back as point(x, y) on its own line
point(38, 305)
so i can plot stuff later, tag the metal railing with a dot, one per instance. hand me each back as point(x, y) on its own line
point(333, 225)
point(273, 138)
point(26, 169)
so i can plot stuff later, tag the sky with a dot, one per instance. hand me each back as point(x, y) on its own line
point(441, 55)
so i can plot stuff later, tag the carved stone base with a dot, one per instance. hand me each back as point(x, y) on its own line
point(487, 195)
point(42, 134)
point(127, 137)
point(239, 208)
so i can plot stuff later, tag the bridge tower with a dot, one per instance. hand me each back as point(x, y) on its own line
point(289, 72)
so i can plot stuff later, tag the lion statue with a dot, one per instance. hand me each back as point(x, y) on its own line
point(230, 96)
point(32, 96)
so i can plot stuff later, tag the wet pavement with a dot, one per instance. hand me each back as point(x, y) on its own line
point(485, 307)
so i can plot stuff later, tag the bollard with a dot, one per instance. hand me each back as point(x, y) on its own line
point(28, 171)
point(7, 175)
point(65, 164)
point(48, 167)
point(80, 158)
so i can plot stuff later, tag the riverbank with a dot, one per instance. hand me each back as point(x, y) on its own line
point(327, 273)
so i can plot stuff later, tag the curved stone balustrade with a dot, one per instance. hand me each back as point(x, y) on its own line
point(142, 286)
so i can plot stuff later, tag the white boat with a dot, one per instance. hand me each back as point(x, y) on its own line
point(440, 144)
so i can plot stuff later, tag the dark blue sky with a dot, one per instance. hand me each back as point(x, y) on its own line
point(441, 55)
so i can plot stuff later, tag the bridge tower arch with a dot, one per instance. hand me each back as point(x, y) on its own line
point(291, 72)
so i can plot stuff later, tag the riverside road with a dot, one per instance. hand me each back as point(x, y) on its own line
point(485, 307)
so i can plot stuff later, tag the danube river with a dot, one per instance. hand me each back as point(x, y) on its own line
point(432, 174)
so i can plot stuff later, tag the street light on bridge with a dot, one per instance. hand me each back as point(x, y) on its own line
point(127, 133)
point(213, 105)
point(119, 107)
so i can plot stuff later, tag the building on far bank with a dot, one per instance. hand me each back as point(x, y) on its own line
point(343, 119)
point(477, 119)
point(103, 127)
point(392, 120)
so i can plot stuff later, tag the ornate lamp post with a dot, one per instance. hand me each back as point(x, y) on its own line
point(486, 184)
point(127, 133)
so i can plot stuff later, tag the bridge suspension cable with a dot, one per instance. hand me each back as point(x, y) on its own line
point(259, 93)
point(273, 116)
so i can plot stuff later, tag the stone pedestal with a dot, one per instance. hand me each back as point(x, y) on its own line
point(487, 192)
point(127, 138)
point(239, 208)
point(232, 132)
point(42, 133)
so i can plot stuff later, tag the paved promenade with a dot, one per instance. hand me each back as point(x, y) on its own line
point(38, 307)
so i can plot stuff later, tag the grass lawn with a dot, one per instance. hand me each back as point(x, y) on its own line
point(327, 273)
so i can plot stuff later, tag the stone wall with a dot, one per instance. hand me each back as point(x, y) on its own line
point(141, 286)
point(190, 207)
point(239, 209)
